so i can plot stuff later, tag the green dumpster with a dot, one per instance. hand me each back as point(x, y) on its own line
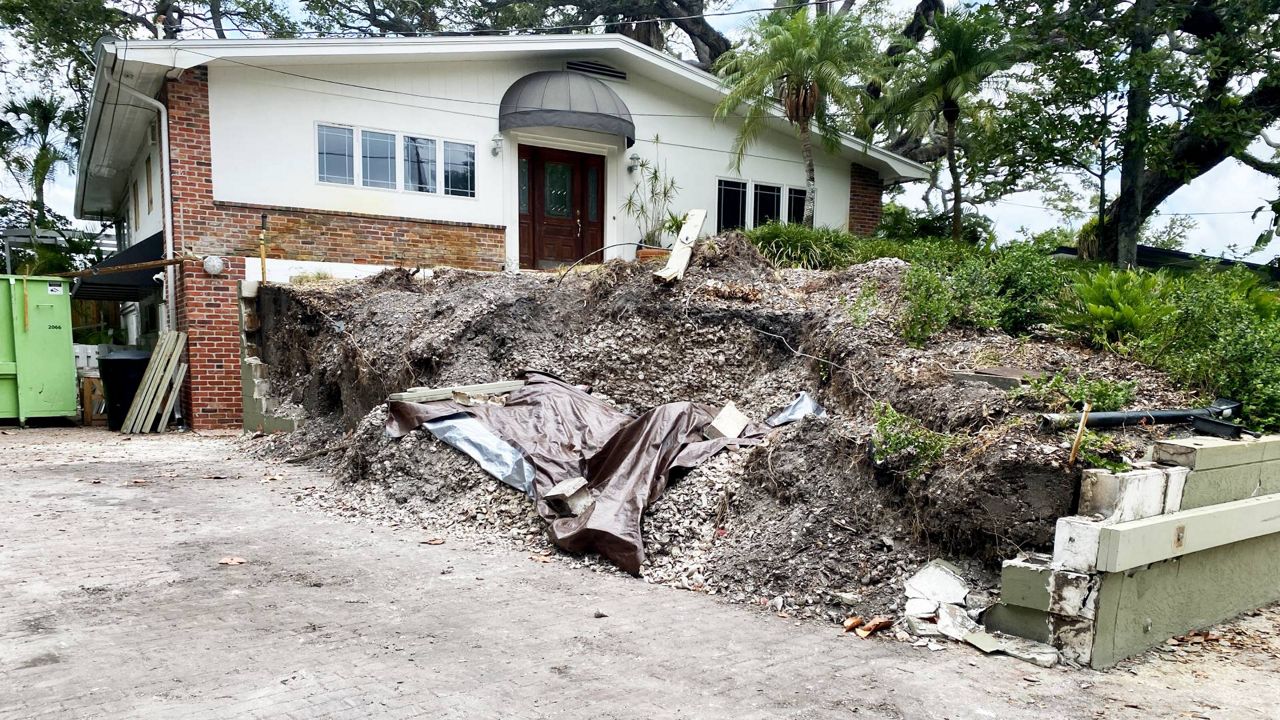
point(37, 363)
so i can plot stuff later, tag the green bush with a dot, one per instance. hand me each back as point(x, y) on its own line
point(1116, 309)
point(797, 246)
point(1030, 281)
point(1059, 393)
point(929, 306)
point(1222, 336)
point(901, 224)
point(901, 439)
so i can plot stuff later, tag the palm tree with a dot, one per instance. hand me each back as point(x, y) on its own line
point(41, 125)
point(801, 65)
point(967, 49)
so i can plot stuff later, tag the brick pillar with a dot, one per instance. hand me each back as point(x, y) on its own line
point(207, 305)
point(866, 198)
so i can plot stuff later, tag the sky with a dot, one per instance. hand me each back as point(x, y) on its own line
point(1231, 190)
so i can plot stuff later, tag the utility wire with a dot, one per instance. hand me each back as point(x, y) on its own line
point(1188, 214)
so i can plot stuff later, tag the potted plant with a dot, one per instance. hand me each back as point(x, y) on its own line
point(649, 204)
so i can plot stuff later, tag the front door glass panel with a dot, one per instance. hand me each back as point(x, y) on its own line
point(558, 190)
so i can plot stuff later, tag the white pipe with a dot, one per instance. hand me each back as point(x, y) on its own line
point(166, 199)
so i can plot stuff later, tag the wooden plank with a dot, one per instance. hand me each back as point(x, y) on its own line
point(422, 394)
point(682, 251)
point(174, 391)
point(158, 381)
point(148, 376)
point(147, 388)
point(1141, 542)
point(152, 413)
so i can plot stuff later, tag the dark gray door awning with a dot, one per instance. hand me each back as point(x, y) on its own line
point(559, 98)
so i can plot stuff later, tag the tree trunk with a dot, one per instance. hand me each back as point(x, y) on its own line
point(810, 184)
point(956, 195)
point(1118, 239)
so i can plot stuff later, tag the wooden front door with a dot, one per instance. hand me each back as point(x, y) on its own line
point(561, 196)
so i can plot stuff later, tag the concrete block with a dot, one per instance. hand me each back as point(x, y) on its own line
point(1207, 453)
point(1270, 447)
point(1270, 480)
point(999, 381)
point(1220, 485)
point(1121, 497)
point(1073, 637)
point(728, 423)
point(1175, 481)
point(1075, 544)
point(1030, 582)
point(249, 288)
point(1024, 582)
point(569, 498)
point(1018, 621)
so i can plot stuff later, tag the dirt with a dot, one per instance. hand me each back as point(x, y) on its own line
point(805, 517)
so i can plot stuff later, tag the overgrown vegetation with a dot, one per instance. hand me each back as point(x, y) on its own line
point(1059, 392)
point(905, 443)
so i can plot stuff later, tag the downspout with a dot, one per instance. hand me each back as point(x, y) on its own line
point(166, 199)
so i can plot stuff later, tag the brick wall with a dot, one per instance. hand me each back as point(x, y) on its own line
point(865, 200)
point(207, 306)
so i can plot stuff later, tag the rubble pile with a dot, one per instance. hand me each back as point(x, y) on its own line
point(803, 523)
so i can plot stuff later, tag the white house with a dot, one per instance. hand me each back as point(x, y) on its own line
point(484, 152)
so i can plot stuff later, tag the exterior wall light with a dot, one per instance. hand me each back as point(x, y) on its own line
point(214, 265)
point(634, 162)
point(497, 145)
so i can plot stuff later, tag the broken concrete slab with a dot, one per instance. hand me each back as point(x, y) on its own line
point(1175, 483)
point(569, 498)
point(1030, 582)
point(1075, 544)
point(728, 423)
point(920, 607)
point(940, 581)
point(1018, 621)
point(1003, 383)
point(1039, 654)
point(1120, 497)
point(1073, 637)
point(955, 623)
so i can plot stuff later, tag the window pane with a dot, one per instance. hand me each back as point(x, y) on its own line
point(419, 164)
point(795, 205)
point(336, 153)
point(459, 169)
point(524, 186)
point(732, 205)
point(378, 159)
point(593, 194)
point(558, 190)
point(768, 204)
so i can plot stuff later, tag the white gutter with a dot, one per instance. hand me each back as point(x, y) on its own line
point(166, 197)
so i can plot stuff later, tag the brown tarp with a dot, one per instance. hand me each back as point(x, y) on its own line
point(566, 432)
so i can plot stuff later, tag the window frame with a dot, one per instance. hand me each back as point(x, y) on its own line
point(398, 165)
point(398, 181)
point(755, 189)
point(787, 202)
point(151, 199)
point(746, 202)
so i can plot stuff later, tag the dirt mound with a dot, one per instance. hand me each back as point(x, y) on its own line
point(806, 516)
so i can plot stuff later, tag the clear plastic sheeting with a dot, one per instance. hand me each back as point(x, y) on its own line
point(495, 455)
point(802, 407)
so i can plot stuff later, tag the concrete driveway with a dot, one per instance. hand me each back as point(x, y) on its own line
point(114, 603)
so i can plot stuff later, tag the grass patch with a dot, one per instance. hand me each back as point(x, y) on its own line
point(1058, 393)
point(903, 441)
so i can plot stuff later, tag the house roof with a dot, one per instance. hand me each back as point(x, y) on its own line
point(117, 123)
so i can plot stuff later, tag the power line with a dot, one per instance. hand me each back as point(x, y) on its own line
point(1186, 214)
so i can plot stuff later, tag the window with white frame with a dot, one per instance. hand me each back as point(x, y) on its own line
point(731, 205)
point(377, 159)
point(795, 204)
point(768, 203)
point(429, 165)
point(335, 148)
point(459, 169)
point(419, 164)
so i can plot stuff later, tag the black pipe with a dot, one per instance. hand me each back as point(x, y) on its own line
point(1224, 408)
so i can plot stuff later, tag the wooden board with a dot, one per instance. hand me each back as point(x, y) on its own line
point(174, 390)
point(422, 394)
point(1141, 542)
point(682, 251)
point(148, 380)
point(152, 413)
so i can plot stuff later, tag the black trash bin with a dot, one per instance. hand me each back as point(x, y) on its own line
point(121, 373)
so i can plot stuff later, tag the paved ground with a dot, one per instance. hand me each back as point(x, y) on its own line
point(113, 604)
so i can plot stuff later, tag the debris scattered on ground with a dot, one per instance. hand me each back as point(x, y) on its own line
point(804, 516)
point(232, 560)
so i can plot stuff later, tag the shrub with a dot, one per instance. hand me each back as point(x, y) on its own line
point(1030, 282)
point(1058, 393)
point(901, 224)
point(797, 246)
point(929, 307)
point(901, 439)
point(1222, 336)
point(1116, 309)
